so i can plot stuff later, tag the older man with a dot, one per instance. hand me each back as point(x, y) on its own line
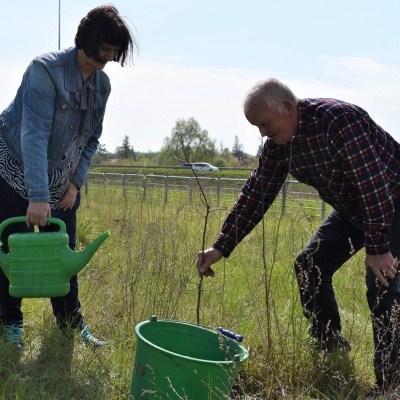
point(354, 164)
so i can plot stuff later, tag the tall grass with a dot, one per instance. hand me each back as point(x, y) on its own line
point(147, 267)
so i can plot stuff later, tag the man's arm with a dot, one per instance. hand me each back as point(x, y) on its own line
point(257, 195)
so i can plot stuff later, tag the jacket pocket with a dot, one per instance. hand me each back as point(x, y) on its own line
point(63, 110)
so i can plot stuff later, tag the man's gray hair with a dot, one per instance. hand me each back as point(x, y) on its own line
point(271, 92)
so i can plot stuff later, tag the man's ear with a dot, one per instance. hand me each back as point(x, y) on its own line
point(288, 106)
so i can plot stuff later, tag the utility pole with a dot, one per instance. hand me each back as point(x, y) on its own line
point(59, 20)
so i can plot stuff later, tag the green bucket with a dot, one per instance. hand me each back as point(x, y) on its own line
point(177, 360)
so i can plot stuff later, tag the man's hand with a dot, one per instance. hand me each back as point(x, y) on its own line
point(206, 259)
point(69, 198)
point(38, 213)
point(383, 265)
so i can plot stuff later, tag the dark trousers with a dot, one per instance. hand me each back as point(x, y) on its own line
point(332, 244)
point(66, 309)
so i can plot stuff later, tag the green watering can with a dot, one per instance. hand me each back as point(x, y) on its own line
point(41, 264)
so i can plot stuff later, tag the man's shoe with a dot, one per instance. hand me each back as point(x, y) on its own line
point(13, 334)
point(376, 393)
point(89, 339)
point(335, 342)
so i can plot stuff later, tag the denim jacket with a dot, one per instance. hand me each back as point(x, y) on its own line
point(41, 121)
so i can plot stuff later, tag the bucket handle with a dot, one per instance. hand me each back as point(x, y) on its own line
point(231, 335)
point(234, 336)
point(14, 220)
point(224, 332)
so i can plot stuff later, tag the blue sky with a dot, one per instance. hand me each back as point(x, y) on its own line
point(198, 58)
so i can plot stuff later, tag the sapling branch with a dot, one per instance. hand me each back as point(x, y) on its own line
point(207, 205)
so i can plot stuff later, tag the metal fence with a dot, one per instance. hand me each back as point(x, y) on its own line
point(294, 198)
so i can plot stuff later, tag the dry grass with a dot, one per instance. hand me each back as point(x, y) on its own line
point(147, 267)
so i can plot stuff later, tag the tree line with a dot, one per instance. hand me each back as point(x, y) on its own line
point(187, 143)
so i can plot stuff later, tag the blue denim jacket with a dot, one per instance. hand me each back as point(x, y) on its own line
point(41, 121)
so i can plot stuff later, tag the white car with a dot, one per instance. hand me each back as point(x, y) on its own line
point(202, 167)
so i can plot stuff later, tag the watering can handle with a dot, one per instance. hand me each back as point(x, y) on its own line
point(15, 220)
point(230, 334)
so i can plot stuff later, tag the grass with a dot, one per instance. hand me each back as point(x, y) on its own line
point(147, 267)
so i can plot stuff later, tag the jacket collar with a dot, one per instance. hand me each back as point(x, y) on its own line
point(71, 70)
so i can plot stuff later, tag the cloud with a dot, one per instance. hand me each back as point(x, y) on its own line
point(146, 100)
point(362, 81)
point(152, 97)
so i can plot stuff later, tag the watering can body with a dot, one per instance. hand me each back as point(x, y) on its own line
point(41, 264)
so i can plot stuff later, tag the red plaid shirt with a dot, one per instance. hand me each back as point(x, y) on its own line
point(341, 152)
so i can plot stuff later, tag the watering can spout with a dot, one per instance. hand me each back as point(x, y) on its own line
point(81, 258)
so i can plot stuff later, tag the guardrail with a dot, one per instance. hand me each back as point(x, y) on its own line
point(294, 198)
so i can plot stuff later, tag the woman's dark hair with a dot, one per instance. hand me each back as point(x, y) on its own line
point(104, 25)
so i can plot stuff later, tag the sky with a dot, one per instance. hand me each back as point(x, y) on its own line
point(197, 58)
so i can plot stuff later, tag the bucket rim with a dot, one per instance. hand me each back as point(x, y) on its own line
point(235, 360)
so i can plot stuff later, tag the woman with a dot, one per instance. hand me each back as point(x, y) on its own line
point(48, 136)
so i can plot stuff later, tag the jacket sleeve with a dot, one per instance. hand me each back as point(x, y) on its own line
point(257, 195)
point(37, 118)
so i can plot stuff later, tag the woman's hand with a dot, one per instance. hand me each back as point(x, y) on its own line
point(69, 198)
point(37, 213)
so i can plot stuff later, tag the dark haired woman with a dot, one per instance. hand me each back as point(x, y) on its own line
point(48, 136)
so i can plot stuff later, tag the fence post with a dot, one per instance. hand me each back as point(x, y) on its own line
point(144, 183)
point(86, 186)
point(218, 192)
point(284, 190)
point(123, 185)
point(323, 209)
point(166, 190)
point(190, 189)
point(104, 182)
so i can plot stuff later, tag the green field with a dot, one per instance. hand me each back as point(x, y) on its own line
point(236, 173)
point(147, 267)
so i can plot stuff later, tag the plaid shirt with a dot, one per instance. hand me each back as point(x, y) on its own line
point(341, 152)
